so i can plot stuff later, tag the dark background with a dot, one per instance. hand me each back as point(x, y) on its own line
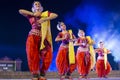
point(14, 27)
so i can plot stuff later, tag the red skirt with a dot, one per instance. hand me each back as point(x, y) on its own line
point(34, 55)
point(83, 63)
point(62, 62)
point(100, 68)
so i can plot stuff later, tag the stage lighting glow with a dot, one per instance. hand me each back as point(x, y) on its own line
point(102, 24)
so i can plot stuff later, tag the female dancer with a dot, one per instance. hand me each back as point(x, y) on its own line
point(65, 68)
point(83, 54)
point(102, 65)
point(38, 44)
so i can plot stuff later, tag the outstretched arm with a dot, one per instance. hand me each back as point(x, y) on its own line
point(76, 43)
point(52, 16)
point(59, 39)
point(29, 13)
point(26, 12)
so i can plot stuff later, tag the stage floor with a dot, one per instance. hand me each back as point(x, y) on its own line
point(114, 75)
point(112, 78)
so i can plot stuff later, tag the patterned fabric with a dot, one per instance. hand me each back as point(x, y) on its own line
point(84, 42)
point(61, 35)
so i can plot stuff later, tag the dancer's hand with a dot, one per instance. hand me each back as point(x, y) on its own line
point(66, 36)
point(41, 21)
point(37, 14)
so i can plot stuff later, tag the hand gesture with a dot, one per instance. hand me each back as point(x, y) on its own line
point(41, 21)
point(37, 14)
point(66, 36)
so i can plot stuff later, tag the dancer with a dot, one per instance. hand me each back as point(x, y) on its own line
point(83, 54)
point(64, 61)
point(103, 67)
point(39, 41)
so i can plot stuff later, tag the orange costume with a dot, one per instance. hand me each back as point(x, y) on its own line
point(39, 57)
point(62, 60)
point(83, 57)
point(102, 69)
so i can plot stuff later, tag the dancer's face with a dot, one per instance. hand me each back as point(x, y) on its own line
point(37, 6)
point(81, 33)
point(62, 26)
point(101, 44)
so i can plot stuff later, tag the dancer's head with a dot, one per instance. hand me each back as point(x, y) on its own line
point(101, 44)
point(36, 6)
point(61, 26)
point(81, 33)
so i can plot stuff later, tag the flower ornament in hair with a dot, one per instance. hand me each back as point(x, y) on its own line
point(58, 26)
point(78, 32)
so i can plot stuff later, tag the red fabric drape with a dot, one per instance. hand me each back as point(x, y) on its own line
point(62, 62)
point(100, 68)
point(83, 63)
point(34, 55)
